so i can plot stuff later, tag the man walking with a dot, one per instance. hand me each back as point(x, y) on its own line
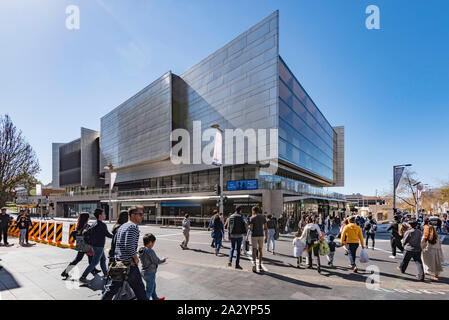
point(412, 246)
point(185, 231)
point(351, 236)
point(127, 240)
point(371, 229)
point(5, 220)
point(272, 229)
point(98, 233)
point(259, 228)
point(237, 229)
point(395, 237)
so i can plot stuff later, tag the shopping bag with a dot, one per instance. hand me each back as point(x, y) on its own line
point(324, 248)
point(364, 258)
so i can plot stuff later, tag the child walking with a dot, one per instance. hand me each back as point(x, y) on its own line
point(298, 248)
point(332, 246)
point(150, 262)
point(23, 230)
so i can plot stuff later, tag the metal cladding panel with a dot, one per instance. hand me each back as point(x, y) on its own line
point(70, 163)
point(340, 156)
point(138, 130)
point(235, 87)
point(55, 165)
point(89, 158)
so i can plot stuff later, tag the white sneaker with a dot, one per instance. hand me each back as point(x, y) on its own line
point(392, 257)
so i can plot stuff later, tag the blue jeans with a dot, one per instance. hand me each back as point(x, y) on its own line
point(352, 251)
point(98, 257)
point(271, 234)
point(135, 282)
point(218, 238)
point(150, 281)
point(236, 244)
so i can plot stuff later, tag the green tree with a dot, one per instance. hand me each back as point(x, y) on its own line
point(18, 161)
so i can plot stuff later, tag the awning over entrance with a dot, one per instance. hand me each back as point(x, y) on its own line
point(240, 196)
point(298, 198)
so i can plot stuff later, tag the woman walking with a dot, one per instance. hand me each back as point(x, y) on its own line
point(217, 232)
point(81, 225)
point(122, 219)
point(432, 254)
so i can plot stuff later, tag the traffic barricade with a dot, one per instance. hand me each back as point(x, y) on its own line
point(43, 232)
point(51, 233)
point(34, 233)
point(58, 235)
point(71, 238)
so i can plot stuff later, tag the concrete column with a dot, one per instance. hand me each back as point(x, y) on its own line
point(273, 202)
point(59, 208)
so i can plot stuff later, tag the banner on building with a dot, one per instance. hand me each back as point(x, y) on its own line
point(397, 176)
point(217, 160)
point(113, 175)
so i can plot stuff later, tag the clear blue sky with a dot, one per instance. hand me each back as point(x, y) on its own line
point(388, 87)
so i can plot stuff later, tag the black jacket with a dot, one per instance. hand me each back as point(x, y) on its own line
point(4, 220)
point(99, 233)
point(394, 227)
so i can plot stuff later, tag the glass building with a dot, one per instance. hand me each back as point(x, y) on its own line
point(243, 85)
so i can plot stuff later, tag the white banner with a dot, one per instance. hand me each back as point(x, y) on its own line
point(218, 148)
point(38, 189)
point(113, 175)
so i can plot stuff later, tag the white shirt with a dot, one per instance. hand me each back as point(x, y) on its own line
point(298, 247)
point(310, 226)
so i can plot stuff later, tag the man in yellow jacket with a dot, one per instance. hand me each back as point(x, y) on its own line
point(350, 237)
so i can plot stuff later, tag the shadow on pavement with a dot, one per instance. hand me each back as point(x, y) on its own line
point(294, 281)
point(7, 280)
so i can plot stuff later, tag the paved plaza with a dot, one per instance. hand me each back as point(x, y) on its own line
point(34, 273)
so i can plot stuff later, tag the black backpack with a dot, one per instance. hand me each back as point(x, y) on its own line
point(313, 235)
point(87, 234)
point(237, 225)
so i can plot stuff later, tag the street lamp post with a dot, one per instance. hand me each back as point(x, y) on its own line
point(216, 126)
point(394, 186)
point(109, 167)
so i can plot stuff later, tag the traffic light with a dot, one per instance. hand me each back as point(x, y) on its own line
point(217, 189)
point(225, 200)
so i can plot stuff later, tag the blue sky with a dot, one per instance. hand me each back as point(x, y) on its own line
point(388, 87)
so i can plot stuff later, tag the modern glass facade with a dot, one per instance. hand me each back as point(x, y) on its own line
point(306, 139)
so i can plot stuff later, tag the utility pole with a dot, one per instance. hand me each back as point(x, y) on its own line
point(216, 126)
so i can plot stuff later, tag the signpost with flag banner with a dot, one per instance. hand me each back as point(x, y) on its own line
point(397, 175)
point(112, 176)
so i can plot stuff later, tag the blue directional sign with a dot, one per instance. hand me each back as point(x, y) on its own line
point(242, 185)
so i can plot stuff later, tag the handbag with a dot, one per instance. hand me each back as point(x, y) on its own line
point(81, 245)
point(119, 270)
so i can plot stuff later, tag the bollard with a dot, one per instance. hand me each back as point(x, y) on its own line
point(51, 233)
point(43, 232)
point(71, 239)
point(58, 235)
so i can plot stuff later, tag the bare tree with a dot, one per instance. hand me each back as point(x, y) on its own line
point(18, 161)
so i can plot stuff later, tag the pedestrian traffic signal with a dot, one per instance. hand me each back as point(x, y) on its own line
point(225, 200)
point(217, 189)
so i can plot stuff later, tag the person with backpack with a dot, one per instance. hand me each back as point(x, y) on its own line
point(371, 229)
point(351, 237)
point(395, 237)
point(81, 226)
point(311, 236)
point(96, 237)
point(237, 228)
point(272, 229)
